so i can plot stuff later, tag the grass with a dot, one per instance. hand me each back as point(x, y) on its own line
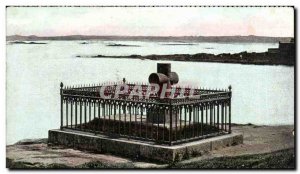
point(284, 159)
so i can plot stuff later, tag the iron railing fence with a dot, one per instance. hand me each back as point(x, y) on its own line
point(164, 121)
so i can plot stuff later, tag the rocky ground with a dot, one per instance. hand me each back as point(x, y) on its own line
point(263, 147)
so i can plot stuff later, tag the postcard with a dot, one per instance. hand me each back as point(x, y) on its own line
point(150, 87)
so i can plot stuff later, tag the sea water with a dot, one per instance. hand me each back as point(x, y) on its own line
point(262, 94)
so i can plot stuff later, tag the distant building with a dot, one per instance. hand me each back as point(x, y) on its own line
point(287, 50)
point(284, 53)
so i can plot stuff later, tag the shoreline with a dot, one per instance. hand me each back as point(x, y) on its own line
point(263, 58)
point(263, 147)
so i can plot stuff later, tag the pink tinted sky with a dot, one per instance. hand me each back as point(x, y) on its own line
point(162, 21)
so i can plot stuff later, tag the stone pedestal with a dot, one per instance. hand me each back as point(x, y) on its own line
point(159, 117)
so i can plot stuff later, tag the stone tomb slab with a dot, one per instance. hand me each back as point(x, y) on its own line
point(139, 149)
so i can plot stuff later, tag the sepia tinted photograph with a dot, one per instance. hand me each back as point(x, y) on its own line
point(150, 87)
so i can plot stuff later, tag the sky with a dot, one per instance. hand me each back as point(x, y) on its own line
point(150, 21)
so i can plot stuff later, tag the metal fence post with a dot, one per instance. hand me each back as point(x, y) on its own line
point(171, 122)
point(230, 108)
point(61, 105)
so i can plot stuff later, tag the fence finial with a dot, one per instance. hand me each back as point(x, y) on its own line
point(61, 85)
point(229, 87)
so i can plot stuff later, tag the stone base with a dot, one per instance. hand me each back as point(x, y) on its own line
point(138, 149)
point(154, 117)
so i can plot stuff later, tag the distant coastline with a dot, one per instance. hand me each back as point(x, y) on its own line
point(274, 56)
point(264, 58)
point(22, 42)
point(180, 39)
point(121, 45)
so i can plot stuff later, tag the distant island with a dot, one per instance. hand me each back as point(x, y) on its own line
point(264, 58)
point(215, 39)
point(174, 44)
point(22, 42)
point(122, 45)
